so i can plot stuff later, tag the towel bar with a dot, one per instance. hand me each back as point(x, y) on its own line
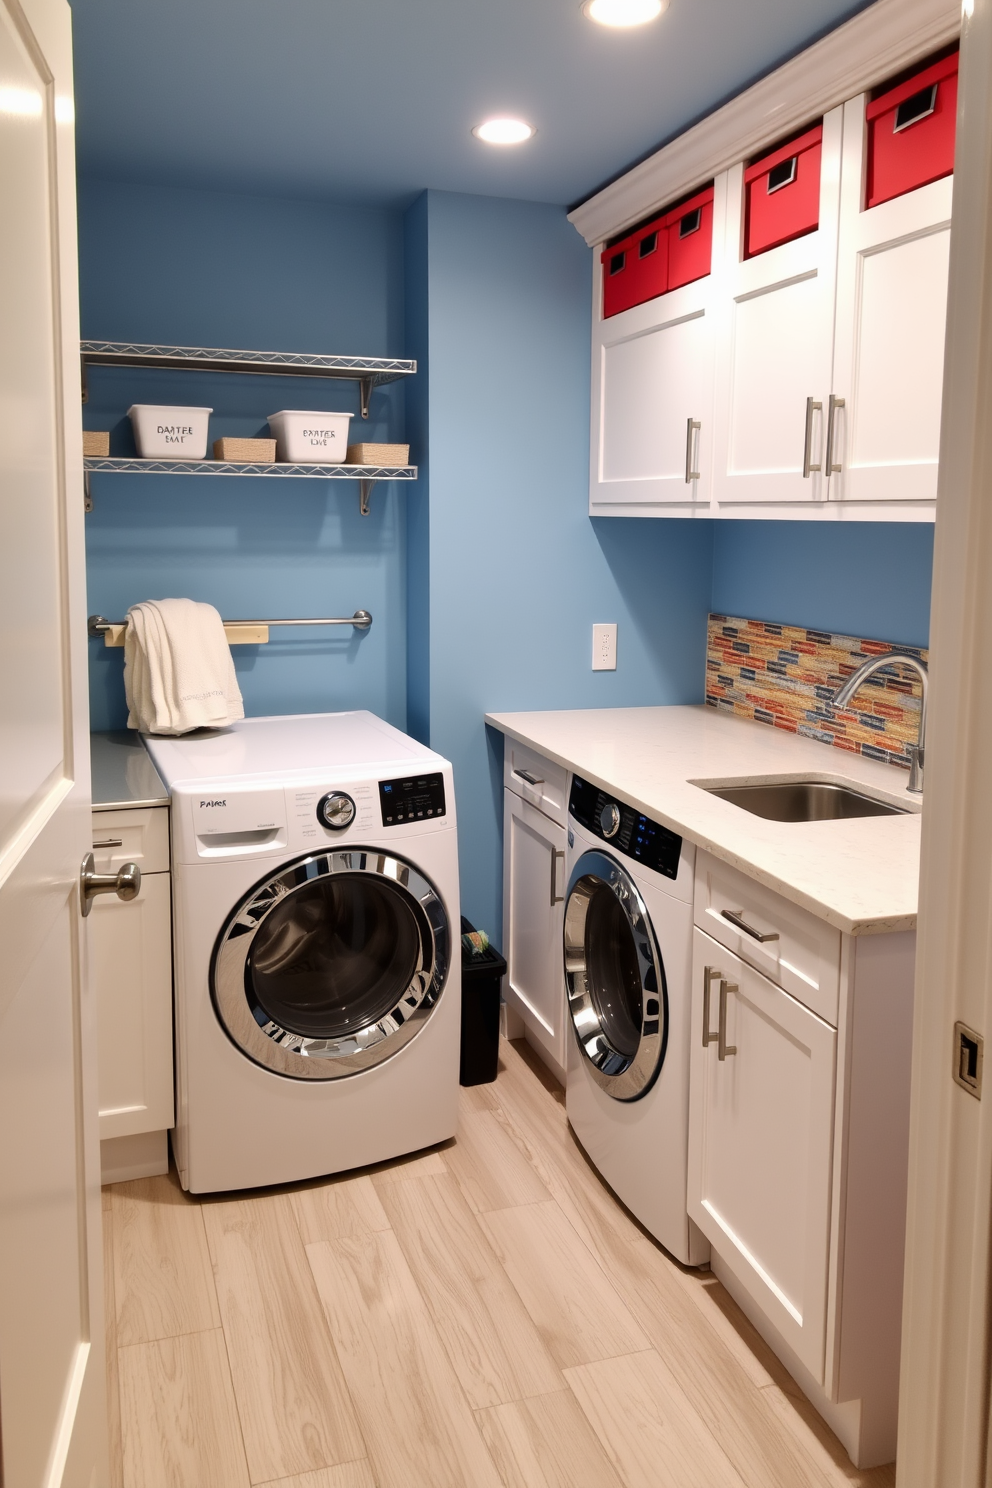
point(238, 632)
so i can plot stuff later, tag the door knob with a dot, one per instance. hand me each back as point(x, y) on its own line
point(125, 883)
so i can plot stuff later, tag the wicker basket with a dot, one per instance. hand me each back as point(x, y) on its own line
point(378, 454)
point(245, 451)
point(96, 443)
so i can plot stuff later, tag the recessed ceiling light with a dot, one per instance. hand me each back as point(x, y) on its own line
point(504, 131)
point(624, 12)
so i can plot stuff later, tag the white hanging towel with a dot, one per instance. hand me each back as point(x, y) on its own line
point(178, 671)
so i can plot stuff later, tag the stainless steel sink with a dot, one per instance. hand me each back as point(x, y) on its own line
point(803, 801)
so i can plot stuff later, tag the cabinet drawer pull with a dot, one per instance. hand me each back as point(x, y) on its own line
point(556, 853)
point(812, 406)
point(530, 779)
point(722, 1047)
point(692, 426)
point(834, 404)
point(710, 975)
point(736, 918)
point(110, 842)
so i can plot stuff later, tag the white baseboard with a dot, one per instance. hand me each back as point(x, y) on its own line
point(142, 1156)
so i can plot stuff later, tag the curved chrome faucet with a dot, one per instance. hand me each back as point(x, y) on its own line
point(842, 697)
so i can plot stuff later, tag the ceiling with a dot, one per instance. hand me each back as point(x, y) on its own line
point(374, 100)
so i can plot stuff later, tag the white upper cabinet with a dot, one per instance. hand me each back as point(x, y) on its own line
point(775, 349)
point(652, 399)
point(802, 377)
point(889, 348)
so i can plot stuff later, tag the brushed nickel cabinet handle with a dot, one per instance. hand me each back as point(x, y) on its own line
point(736, 918)
point(812, 406)
point(710, 975)
point(723, 1048)
point(110, 842)
point(556, 853)
point(833, 406)
point(692, 426)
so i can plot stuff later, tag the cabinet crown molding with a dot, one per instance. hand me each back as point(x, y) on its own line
point(872, 46)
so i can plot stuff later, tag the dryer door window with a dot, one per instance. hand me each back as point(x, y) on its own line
point(332, 964)
point(617, 998)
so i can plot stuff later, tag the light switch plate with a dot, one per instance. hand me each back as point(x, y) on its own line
point(604, 648)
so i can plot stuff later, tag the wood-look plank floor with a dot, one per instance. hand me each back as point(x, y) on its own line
point(480, 1315)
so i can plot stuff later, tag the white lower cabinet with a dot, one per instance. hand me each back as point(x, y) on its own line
point(799, 1140)
point(130, 948)
point(533, 909)
point(762, 1105)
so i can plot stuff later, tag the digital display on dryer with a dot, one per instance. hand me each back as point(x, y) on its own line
point(412, 798)
point(637, 836)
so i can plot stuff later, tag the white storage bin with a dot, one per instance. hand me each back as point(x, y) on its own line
point(163, 432)
point(304, 437)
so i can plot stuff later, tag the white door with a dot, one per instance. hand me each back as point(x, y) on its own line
point(652, 401)
point(889, 350)
point(52, 1388)
point(775, 352)
point(533, 911)
point(760, 1131)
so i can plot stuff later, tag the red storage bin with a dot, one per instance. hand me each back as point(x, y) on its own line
point(690, 239)
point(782, 193)
point(911, 132)
point(636, 268)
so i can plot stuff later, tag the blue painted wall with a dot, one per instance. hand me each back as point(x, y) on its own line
point(514, 571)
point(201, 268)
point(484, 578)
point(867, 579)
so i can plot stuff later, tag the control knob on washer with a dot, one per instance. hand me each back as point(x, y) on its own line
point(609, 819)
point(336, 810)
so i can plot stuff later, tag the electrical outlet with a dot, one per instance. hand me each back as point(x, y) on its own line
point(604, 648)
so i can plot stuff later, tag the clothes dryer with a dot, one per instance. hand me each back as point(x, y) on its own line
point(628, 949)
point(316, 920)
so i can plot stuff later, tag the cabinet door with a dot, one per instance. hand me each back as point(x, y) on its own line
point(760, 1131)
point(775, 351)
point(652, 405)
point(131, 960)
point(533, 910)
point(889, 349)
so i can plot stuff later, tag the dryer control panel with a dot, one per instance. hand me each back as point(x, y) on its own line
point(411, 798)
point(633, 834)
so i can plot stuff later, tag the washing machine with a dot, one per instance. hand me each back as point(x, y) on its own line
point(628, 950)
point(317, 947)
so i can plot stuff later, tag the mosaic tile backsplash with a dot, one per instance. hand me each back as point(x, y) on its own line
point(785, 675)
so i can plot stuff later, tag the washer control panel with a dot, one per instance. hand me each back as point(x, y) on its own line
point(336, 810)
point(317, 812)
point(411, 798)
point(635, 835)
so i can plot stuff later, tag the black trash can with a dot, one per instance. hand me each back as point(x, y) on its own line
point(482, 981)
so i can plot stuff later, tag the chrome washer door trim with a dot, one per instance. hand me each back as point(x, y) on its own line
point(256, 1035)
point(621, 1076)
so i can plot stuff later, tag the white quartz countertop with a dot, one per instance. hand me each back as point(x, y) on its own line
point(860, 875)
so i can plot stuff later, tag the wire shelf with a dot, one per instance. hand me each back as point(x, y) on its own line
point(366, 475)
point(97, 465)
point(368, 372)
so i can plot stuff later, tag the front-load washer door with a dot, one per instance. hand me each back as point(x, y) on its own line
point(617, 998)
point(331, 964)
